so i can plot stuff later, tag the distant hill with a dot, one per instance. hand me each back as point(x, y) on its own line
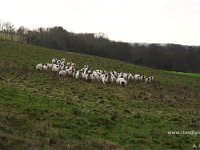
point(172, 57)
point(40, 110)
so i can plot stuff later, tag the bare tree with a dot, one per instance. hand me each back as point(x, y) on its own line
point(101, 35)
point(9, 27)
point(9, 30)
point(1, 24)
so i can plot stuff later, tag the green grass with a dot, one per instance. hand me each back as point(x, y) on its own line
point(39, 110)
point(194, 75)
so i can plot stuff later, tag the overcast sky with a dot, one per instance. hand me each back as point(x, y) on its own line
point(149, 21)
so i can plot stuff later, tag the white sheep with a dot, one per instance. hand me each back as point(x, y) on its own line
point(86, 66)
point(152, 78)
point(55, 68)
point(87, 74)
point(63, 60)
point(54, 60)
point(121, 81)
point(73, 65)
point(102, 75)
point(62, 73)
point(149, 79)
point(113, 78)
point(142, 78)
point(125, 76)
point(78, 74)
point(136, 77)
point(130, 77)
point(98, 76)
point(62, 66)
point(120, 75)
point(70, 71)
point(94, 75)
point(58, 62)
point(49, 65)
point(39, 67)
point(114, 73)
point(107, 79)
point(44, 67)
point(68, 64)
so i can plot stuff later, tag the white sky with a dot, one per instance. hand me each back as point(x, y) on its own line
point(151, 21)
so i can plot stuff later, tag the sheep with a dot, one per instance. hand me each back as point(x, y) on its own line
point(44, 67)
point(78, 74)
point(68, 64)
point(107, 78)
point(152, 78)
point(125, 76)
point(70, 71)
point(54, 60)
point(149, 79)
point(101, 75)
point(94, 75)
point(67, 67)
point(86, 66)
point(84, 75)
point(114, 73)
point(63, 60)
point(62, 66)
point(62, 73)
point(86, 69)
point(58, 62)
point(56, 68)
point(113, 78)
point(120, 75)
point(49, 66)
point(98, 76)
point(74, 73)
point(39, 67)
point(142, 78)
point(130, 77)
point(121, 81)
point(87, 74)
point(136, 77)
point(73, 65)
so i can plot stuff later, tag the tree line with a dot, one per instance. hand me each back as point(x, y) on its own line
point(167, 57)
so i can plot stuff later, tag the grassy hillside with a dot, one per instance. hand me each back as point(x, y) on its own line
point(42, 111)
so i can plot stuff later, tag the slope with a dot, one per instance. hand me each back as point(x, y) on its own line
point(42, 111)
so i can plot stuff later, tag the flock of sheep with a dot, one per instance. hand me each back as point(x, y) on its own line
point(64, 68)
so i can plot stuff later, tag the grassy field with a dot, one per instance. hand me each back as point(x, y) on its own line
point(39, 110)
point(195, 75)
